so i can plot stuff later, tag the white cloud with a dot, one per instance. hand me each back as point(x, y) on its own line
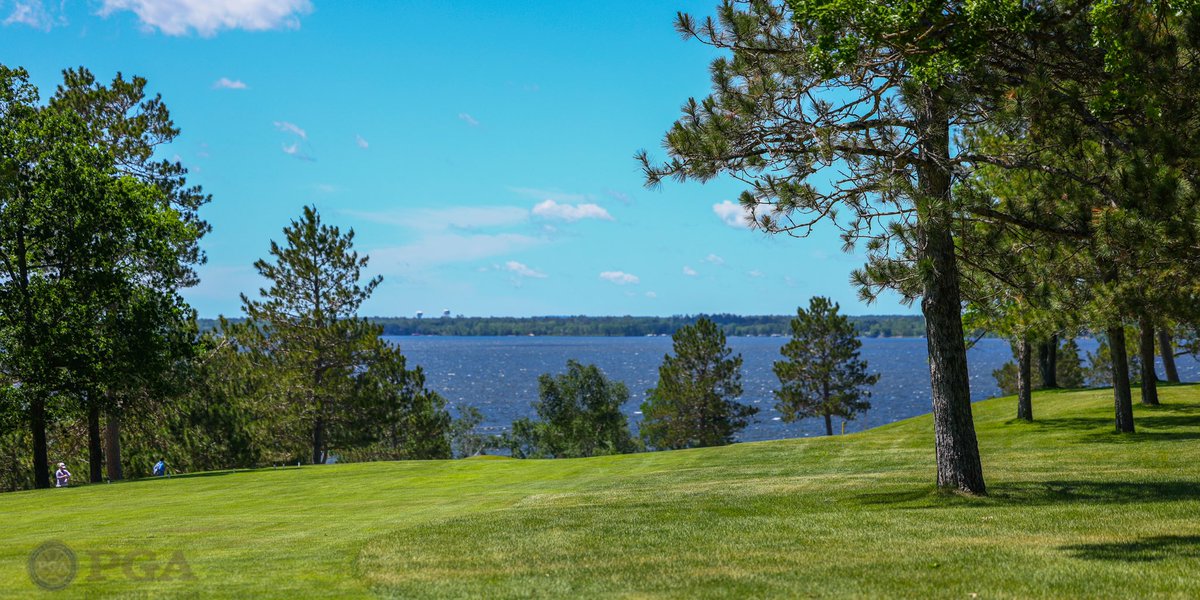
point(326, 188)
point(33, 13)
point(651, 295)
point(292, 128)
point(619, 277)
point(714, 259)
point(455, 217)
point(523, 270)
point(469, 119)
point(550, 209)
point(448, 247)
point(362, 143)
point(755, 273)
point(226, 83)
point(734, 215)
point(207, 17)
point(690, 272)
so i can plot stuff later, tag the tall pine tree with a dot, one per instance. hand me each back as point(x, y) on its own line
point(823, 375)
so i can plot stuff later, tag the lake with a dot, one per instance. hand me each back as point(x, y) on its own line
point(498, 375)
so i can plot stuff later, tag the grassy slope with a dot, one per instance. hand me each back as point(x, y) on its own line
point(1074, 511)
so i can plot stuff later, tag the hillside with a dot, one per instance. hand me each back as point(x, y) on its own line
point(1074, 511)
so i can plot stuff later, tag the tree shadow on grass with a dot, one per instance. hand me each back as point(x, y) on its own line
point(1152, 427)
point(1096, 492)
point(1041, 493)
point(1149, 549)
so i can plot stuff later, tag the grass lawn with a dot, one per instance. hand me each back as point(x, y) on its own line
point(1075, 511)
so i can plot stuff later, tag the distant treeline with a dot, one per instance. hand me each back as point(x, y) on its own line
point(733, 325)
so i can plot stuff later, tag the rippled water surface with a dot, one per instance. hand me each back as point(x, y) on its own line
point(499, 375)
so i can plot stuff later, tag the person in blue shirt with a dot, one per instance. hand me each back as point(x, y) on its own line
point(160, 469)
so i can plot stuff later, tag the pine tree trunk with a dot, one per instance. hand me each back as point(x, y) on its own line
point(37, 426)
point(1048, 362)
point(318, 456)
point(112, 447)
point(958, 464)
point(95, 451)
point(1122, 397)
point(1025, 380)
point(828, 425)
point(1146, 349)
point(1167, 351)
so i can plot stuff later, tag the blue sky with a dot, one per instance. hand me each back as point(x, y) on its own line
point(482, 151)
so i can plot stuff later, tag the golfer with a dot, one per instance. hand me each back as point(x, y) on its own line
point(62, 475)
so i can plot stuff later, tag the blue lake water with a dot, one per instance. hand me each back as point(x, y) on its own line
point(498, 375)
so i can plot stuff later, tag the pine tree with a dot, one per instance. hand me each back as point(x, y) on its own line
point(823, 375)
point(695, 401)
point(842, 111)
point(305, 327)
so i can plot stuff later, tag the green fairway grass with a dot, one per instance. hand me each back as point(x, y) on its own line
point(1074, 511)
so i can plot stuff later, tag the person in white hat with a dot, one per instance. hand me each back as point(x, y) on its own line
point(62, 475)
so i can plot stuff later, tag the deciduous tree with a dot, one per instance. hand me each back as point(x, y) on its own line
point(579, 414)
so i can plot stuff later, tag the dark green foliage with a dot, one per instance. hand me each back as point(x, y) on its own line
point(1068, 370)
point(695, 402)
point(1099, 372)
point(822, 375)
point(214, 424)
point(579, 414)
point(304, 331)
point(394, 416)
point(1068, 366)
point(94, 248)
point(841, 111)
point(321, 377)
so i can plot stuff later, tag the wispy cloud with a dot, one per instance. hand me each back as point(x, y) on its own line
point(651, 294)
point(755, 273)
point(293, 149)
point(296, 149)
point(208, 17)
point(714, 259)
point(292, 128)
point(549, 209)
point(522, 270)
point(619, 277)
point(226, 83)
point(619, 196)
point(468, 119)
point(448, 247)
point(734, 215)
point(362, 143)
point(455, 217)
point(690, 272)
point(33, 13)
